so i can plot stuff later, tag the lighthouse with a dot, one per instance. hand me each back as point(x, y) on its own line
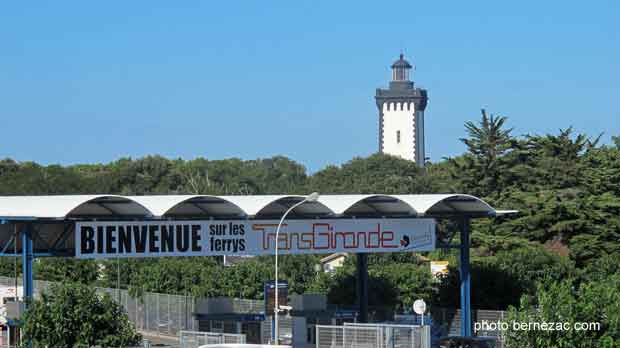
point(401, 115)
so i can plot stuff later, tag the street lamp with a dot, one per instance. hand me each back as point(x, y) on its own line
point(313, 197)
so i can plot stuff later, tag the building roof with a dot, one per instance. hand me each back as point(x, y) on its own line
point(332, 257)
point(257, 206)
point(401, 63)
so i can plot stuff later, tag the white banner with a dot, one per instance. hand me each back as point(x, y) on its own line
point(110, 239)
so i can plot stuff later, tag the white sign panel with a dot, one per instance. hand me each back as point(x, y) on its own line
point(419, 306)
point(110, 239)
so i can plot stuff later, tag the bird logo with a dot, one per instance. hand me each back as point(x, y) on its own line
point(404, 242)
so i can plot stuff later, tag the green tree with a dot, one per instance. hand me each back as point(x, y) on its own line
point(567, 302)
point(75, 315)
point(299, 271)
point(10, 266)
point(486, 143)
point(67, 270)
point(488, 140)
point(601, 170)
point(502, 274)
point(378, 173)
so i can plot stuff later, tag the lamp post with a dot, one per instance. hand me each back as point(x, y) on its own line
point(310, 198)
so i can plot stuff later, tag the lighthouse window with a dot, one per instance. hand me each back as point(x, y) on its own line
point(398, 137)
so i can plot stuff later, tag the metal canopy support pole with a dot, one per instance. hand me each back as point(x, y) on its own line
point(27, 261)
point(362, 286)
point(465, 280)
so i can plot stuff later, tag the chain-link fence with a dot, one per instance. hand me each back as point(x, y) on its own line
point(157, 314)
point(195, 339)
point(160, 314)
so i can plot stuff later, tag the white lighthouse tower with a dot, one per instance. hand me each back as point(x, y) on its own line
point(401, 115)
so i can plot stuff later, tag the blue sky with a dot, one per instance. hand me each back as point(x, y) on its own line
point(86, 82)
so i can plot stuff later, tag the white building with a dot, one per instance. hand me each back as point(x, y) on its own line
point(401, 115)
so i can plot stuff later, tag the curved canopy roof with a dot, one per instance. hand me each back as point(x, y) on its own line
point(59, 207)
point(259, 206)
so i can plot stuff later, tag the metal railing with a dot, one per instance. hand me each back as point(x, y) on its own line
point(195, 339)
point(400, 335)
point(248, 306)
point(330, 336)
point(353, 335)
point(285, 329)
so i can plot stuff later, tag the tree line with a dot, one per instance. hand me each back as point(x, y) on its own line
point(566, 187)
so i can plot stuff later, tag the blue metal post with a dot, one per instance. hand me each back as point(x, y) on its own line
point(362, 287)
point(27, 261)
point(465, 280)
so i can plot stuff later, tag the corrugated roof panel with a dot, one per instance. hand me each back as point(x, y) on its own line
point(160, 204)
point(446, 204)
point(201, 206)
point(252, 205)
point(189, 205)
point(341, 203)
point(59, 207)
